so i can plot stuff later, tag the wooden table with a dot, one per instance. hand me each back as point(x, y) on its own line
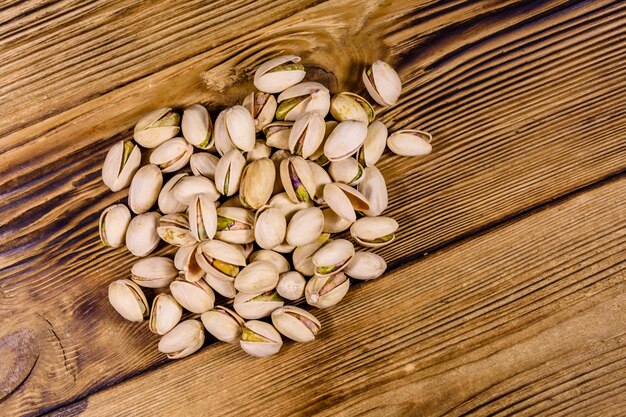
point(506, 293)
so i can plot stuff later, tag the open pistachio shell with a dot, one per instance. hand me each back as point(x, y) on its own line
point(277, 134)
point(234, 225)
point(145, 188)
point(196, 297)
point(262, 107)
point(174, 229)
point(277, 158)
point(168, 204)
point(220, 259)
point(183, 340)
point(374, 144)
point(347, 171)
point(203, 164)
point(156, 127)
point(296, 323)
point(185, 261)
point(142, 236)
point(318, 156)
point(366, 266)
point(223, 323)
point(234, 129)
point(344, 200)
point(189, 186)
point(383, 83)
point(224, 288)
point(120, 164)
point(257, 277)
point(257, 183)
point(321, 178)
point(256, 306)
point(128, 300)
point(279, 73)
point(172, 155)
point(349, 106)
point(228, 172)
point(291, 285)
point(197, 126)
point(307, 134)
point(154, 272)
point(113, 224)
point(165, 314)
point(303, 255)
point(305, 226)
point(333, 257)
point(374, 189)
point(275, 258)
point(260, 339)
point(345, 140)
point(326, 291)
point(374, 232)
point(260, 150)
point(287, 206)
point(270, 227)
point(202, 217)
point(297, 179)
point(410, 143)
point(306, 97)
point(334, 223)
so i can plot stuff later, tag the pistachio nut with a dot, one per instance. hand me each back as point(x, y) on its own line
point(141, 236)
point(220, 259)
point(113, 224)
point(174, 229)
point(275, 258)
point(256, 306)
point(334, 223)
point(374, 144)
point(234, 225)
point(165, 314)
point(228, 172)
point(196, 297)
point(296, 323)
point(172, 155)
point(318, 156)
point(156, 127)
point(168, 204)
point(262, 107)
point(257, 183)
point(203, 164)
point(260, 150)
point(279, 73)
point(277, 134)
point(349, 106)
point(202, 217)
point(278, 157)
point(374, 189)
point(128, 300)
point(185, 261)
point(326, 291)
point(306, 135)
point(374, 232)
point(223, 323)
point(260, 339)
point(197, 126)
point(306, 97)
point(224, 288)
point(303, 255)
point(347, 171)
point(145, 188)
point(321, 178)
point(183, 340)
point(284, 248)
point(234, 129)
point(383, 83)
point(305, 226)
point(345, 140)
point(257, 277)
point(291, 285)
point(120, 164)
point(344, 200)
point(287, 206)
point(333, 257)
point(297, 179)
point(410, 142)
point(153, 272)
point(270, 227)
point(365, 266)
point(188, 187)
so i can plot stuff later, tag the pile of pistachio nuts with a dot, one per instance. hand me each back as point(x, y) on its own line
point(252, 204)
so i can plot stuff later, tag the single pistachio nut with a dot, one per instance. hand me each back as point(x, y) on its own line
point(262, 107)
point(224, 288)
point(291, 285)
point(120, 164)
point(374, 144)
point(374, 232)
point(347, 171)
point(297, 179)
point(154, 272)
point(349, 106)
point(257, 277)
point(234, 225)
point(172, 155)
point(410, 142)
point(344, 200)
point(275, 258)
point(365, 266)
point(128, 300)
point(345, 140)
point(306, 134)
point(168, 204)
point(260, 339)
point(202, 217)
point(321, 178)
point(277, 158)
point(203, 164)
point(234, 129)
point(333, 257)
point(305, 227)
point(374, 189)
point(145, 188)
point(318, 156)
point(185, 261)
point(306, 97)
point(256, 306)
point(219, 259)
point(188, 187)
point(270, 227)
point(228, 172)
point(334, 223)
point(296, 323)
point(277, 134)
point(183, 340)
point(113, 224)
point(156, 127)
point(196, 297)
point(165, 314)
point(141, 236)
point(303, 255)
point(326, 291)
point(383, 83)
point(260, 150)
point(223, 323)
point(277, 74)
point(174, 229)
point(257, 183)
point(197, 126)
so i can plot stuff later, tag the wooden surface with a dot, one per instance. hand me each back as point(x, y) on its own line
point(520, 308)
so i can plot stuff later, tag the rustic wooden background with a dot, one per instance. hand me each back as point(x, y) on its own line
point(506, 293)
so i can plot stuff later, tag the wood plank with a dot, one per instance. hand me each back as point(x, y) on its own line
point(526, 319)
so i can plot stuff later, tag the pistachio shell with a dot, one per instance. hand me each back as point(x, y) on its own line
point(296, 323)
point(284, 248)
point(306, 97)
point(305, 227)
point(257, 277)
point(279, 73)
point(174, 229)
point(347, 171)
point(286, 206)
point(172, 155)
point(262, 107)
point(246, 249)
point(232, 202)
point(185, 261)
point(344, 200)
point(277, 134)
point(120, 164)
point(113, 224)
point(234, 225)
point(165, 314)
point(410, 143)
point(383, 83)
point(183, 340)
point(303, 255)
point(260, 339)
point(234, 128)
point(275, 258)
point(224, 288)
point(188, 187)
point(141, 236)
point(365, 266)
point(257, 183)
point(306, 134)
point(326, 291)
point(223, 323)
point(291, 285)
point(228, 172)
point(318, 156)
point(260, 150)
point(229, 256)
point(256, 306)
point(333, 257)
point(156, 127)
point(168, 204)
point(145, 188)
point(297, 179)
point(374, 232)
point(203, 164)
point(334, 223)
point(270, 227)
point(345, 140)
point(202, 217)
point(277, 158)
point(196, 297)
point(349, 106)
point(321, 178)
point(154, 272)
point(128, 300)
point(374, 144)
point(374, 189)
point(197, 126)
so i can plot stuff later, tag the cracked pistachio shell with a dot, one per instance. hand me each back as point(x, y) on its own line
point(165, 314)
point(260, 339)
point(326, 291)
point(275, 258)
point(185, 261)
point(256, 306)
point(303, 255)
point(306, 97)
point(374, 144)
point(410, 143)
point(168, 204)
point(120, 164)
point(257, 183)
point(172, 155)
point(270, 227)
point(202, 217)
point(228, 172)
point(306, 134)
point(262, 107)
point(234, 129)
point(278, 157)
point(183, 340)
point(128, 300)
point(234, 225)
point(189, 186)
point(196, 297)
point(321, 178)
point(383, 83)
point(365, 266)
point(257, 277)
point(291, 285)
point(333, 257)
point(203, 164)
point(141, 236)
point(333, 223)
point(220, 260)
point(277, 134)
point(154, 272)
point(145, 188)
point(374, 189)
point(156, 127)
point(345, 140)
point(296, 323)
point(277, 74)
point(305, 226)
point(260, 150)
point(318, 156)
point(374, 232)
point(286, 206)
point(197, 126)
point(223, 323)
point(347, 171)
point(344, 200)
point(297, 179)
point(224, 288)
point(113, 224)
point(174, 229)
point(349, 106)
